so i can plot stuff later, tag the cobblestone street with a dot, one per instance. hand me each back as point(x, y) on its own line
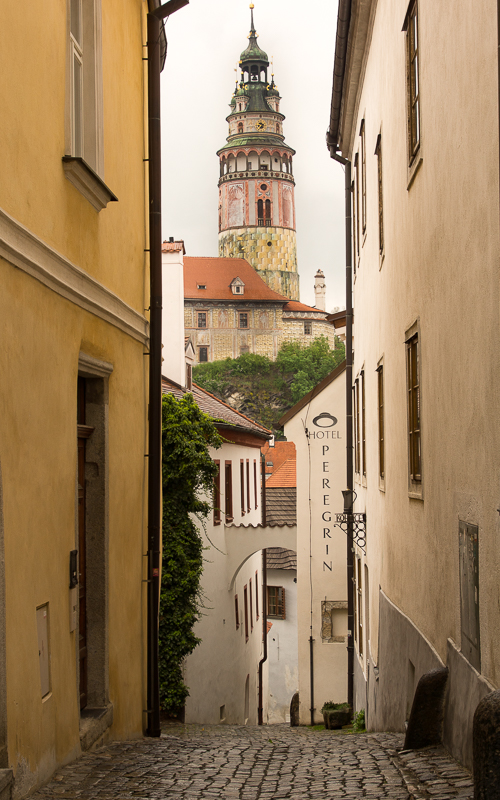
point(190, 762)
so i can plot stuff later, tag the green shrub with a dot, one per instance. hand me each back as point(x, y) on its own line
point(358, 723)
point(187, 477)
point(330, 706)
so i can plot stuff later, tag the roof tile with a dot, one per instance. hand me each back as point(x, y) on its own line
point(218, 273)
point(215, 408)
point(284, 476)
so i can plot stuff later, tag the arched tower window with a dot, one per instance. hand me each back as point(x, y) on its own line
point(260, 212)
point(240, 127)
point(267, 219)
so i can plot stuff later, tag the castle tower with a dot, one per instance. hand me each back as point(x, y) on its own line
point(320, 290)
point(256, 185)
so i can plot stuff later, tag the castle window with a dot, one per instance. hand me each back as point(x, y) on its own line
point(203, 354)
point(202, 319)
point(260, 212)
point(243, 319)
point(308, 328)
point(268, 211)
point(202, 286)
point(240, 127)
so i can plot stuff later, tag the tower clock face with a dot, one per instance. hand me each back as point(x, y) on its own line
point(260, 125)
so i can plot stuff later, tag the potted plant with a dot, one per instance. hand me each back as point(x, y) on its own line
point(336, 715)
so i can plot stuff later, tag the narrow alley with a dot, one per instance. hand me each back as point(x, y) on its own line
point(190, 762)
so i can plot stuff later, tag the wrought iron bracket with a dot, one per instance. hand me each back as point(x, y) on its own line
point(358, 527)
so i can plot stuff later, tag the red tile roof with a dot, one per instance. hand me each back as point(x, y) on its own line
point(286, 475)
point(216, 409)
point(294, 305)
point(218, 273)
point(277, 454)
point(173, 247)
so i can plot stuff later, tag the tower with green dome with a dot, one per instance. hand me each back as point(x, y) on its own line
point(256, 185)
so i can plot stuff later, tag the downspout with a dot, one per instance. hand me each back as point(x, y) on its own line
point(332, 138)
point(154, 34)
point(154, 474)
point(263, 489)
point(264, 593)
point(348, 497)
point(264, 636)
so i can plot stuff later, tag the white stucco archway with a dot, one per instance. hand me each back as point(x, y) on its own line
point(242, 541)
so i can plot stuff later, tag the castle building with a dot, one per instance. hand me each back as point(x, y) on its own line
point(256, 185)
point(230, 310)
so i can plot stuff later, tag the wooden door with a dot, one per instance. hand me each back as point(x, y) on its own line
point(82, 574)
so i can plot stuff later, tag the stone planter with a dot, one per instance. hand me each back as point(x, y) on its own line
point(337, 718)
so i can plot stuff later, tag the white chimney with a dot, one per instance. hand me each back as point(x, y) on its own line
point(320, 291)
point(172, 327)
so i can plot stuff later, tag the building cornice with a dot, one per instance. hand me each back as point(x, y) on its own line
point(238, 300)
point(355, 17)
point(21, 248)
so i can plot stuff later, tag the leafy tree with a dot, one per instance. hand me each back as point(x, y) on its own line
point(187, 476)
point(308, 364)
point(266, 389)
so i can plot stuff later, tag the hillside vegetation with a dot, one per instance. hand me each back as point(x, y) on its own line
point(263, 389)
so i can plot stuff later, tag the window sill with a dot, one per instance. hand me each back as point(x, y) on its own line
point(87, 182)
point(413, 169)
point(415, 492)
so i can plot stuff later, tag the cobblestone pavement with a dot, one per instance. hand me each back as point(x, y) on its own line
point(191, 762)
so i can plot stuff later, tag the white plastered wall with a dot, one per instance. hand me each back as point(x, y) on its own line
point(321, 547)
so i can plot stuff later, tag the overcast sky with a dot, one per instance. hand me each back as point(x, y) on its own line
point(205, 40)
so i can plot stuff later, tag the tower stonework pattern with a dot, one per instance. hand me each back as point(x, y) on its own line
point(256, 185)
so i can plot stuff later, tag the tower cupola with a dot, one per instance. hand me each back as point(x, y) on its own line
point(256, 185)
point(253, 61)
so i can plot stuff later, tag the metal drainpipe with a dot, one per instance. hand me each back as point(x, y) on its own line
point(311, 676)
point(264, 592)
point(349, 443)
point(264, 636)
point(154, 474)
point(154, 32)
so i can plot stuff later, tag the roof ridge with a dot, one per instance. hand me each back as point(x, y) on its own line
point(234, 410)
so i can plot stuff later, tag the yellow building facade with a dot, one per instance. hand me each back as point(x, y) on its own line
point(74, 382)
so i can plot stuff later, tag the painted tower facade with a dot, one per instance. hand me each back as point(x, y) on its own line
point(256, 185)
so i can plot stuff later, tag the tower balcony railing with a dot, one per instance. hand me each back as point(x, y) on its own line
point(261, 173)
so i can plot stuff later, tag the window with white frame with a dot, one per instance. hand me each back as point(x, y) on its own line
point(85, 135)
point(76, 77)
point(83, 161)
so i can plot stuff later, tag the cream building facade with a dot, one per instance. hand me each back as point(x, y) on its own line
point(415, 112)
point(316, 425)
point(73, 421)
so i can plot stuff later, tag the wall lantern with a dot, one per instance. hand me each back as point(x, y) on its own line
point(353, 524)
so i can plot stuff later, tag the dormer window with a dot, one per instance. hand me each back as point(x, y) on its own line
point(237, 286)
point(202, 285)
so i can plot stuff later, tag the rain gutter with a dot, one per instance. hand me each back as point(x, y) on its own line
point(332, 139)
point(156, 52)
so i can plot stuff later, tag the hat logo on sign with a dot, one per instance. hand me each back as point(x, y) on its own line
point(325, 420)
